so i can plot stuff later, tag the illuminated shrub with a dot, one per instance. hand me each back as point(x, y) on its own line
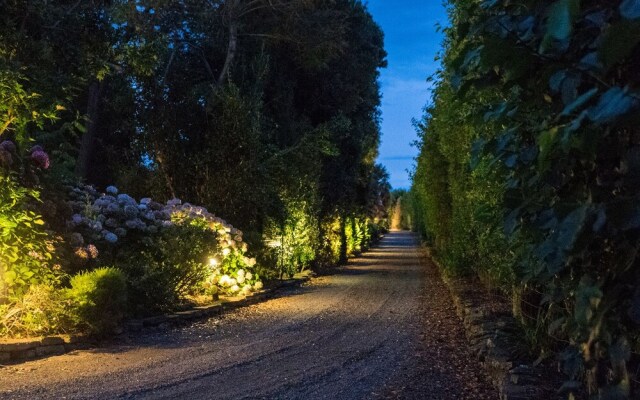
point(169, 250)
point(25, 247)
point(293, 244)
point(331, 248)
point(40, 311)
point(98, 300)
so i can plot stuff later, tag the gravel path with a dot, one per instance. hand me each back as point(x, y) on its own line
point(383, 327)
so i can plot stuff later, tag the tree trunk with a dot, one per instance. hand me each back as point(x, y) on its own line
point(160, 160)
point(89, 140)
point(343, 240)
point(356, 237)
point(231, 51)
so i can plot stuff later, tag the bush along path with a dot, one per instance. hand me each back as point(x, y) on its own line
point(381, 327)
point(91, 168)
point(528, 176)
point(20, 350)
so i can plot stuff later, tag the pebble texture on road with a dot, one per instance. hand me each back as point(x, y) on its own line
point(382, 327)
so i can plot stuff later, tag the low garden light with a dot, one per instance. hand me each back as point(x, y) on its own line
point(213, 261)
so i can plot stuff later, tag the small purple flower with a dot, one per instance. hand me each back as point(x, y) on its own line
point(131, 211)
point(77, 219)
point(8, 146)
point(125, 199)
point(103, 202)
point(113, 208)
point(41, 159)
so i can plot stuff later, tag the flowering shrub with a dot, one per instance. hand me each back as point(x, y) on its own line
point(118, 223)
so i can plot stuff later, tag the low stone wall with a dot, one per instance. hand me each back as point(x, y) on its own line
point(495, 337)
point(22, 349)
point(17, 350)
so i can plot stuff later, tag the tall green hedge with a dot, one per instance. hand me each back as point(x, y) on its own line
point(529, 173)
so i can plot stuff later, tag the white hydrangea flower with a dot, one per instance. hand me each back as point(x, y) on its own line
point(257, 286)
point(225, 280)
point(234, 288)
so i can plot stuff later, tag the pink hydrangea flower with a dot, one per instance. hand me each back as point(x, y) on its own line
point(93, 251)
point(41, 159)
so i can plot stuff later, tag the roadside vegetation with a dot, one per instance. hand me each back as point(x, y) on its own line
point(528, 176)
point(134, 133)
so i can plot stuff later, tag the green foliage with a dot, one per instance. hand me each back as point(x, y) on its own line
point(25, 247)
point(294, 244)
point(98, 300)
point(527, 173)
point(401, 210)
point(20, 110)
point(162, 269)
point(42, 310)
point(264, 112)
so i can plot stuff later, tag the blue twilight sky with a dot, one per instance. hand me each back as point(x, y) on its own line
point(412, 43)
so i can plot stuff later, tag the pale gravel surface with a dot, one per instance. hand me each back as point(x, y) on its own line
point(382, 327)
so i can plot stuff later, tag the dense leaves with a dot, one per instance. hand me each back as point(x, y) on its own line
point(264, 112)
point(556, 154)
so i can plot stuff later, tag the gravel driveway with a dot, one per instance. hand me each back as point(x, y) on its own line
point(382, 327)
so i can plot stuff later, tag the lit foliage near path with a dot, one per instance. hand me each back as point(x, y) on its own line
point(117, 222)
point(25, 248)
point(264, 112)
point(535, 124)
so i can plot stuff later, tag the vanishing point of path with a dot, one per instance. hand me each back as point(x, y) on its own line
point(382, 327)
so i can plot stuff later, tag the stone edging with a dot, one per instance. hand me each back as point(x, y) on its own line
point(19, 350)
point(492, 337)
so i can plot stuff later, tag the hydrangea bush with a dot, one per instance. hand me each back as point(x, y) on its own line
point(106, 222)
